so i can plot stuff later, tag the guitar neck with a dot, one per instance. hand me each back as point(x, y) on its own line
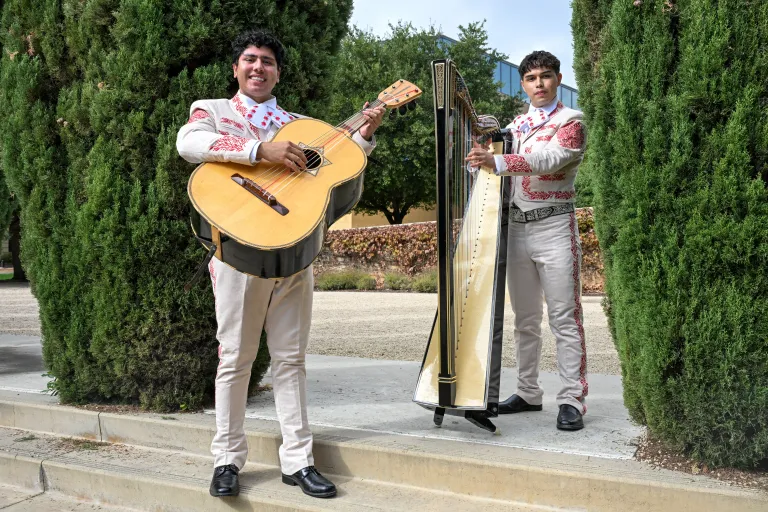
point(358, 120)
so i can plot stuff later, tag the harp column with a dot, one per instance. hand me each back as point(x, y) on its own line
point(443, 95)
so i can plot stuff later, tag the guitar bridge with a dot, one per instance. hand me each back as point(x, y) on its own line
point(252, 187)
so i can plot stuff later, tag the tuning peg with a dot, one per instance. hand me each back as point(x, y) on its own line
point(411, 105)
point(393, 113)
point(402, 109)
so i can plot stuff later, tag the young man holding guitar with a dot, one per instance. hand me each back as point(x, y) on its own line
point(239, 130)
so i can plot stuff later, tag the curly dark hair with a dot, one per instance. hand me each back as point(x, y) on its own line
point(539, 59)
point(258, 38)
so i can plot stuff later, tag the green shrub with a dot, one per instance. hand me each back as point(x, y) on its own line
point(397, 281)
point(339, 280)
point(678, 160)
point(92, 95)
point(426, 282)
point(366, 283)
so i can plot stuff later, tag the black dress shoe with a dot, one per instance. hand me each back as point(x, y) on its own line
point(311, 482)
point(515, 404)
point(569, 418)
point(224, 481)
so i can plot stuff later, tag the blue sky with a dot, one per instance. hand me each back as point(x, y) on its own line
point(514, 27)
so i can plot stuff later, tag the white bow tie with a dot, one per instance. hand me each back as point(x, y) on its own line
point(263, 114)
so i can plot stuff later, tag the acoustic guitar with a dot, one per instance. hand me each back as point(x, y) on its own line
point(269, 221)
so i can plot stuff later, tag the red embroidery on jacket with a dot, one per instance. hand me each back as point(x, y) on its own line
point(238, 103)
point(232, 122)
point(528, 150)
point(545, 138)
point(222, 132)
point(571, 135)
point(551, 126)
point(558, 176)
point(541, 196)
point(198, 115)
point(578, 312)
point(516, 163)
point(229, 143)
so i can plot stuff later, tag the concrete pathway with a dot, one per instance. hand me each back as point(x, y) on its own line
point(376, 396)
point(21, 364)
point(372, 391)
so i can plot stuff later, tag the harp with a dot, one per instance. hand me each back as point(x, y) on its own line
point(462, 362)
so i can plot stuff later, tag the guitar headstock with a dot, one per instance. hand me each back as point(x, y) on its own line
point(400, 95)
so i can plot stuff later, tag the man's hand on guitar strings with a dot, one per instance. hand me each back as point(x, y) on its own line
point(480, 157)
point(373, 116)
point(286, 153)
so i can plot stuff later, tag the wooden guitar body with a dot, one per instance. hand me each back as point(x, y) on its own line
point(268, 221)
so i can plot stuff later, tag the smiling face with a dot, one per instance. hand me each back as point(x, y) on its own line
point(540, 84)
point(257, 72)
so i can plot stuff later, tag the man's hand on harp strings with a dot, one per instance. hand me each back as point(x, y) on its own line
point(481, 157)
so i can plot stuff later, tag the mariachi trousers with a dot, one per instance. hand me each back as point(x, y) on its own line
point(544, 258)
point(283, 308)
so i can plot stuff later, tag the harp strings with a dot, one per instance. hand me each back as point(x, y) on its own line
point(465, 212)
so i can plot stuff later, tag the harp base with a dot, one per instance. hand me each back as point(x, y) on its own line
point(481, 418)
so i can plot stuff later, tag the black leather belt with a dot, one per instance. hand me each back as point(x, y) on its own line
point(517, 215)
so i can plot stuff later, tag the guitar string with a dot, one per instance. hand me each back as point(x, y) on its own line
point(356, 125)
point(278, 168)
point(351, 124)
point(281, 167)
point(352, 128)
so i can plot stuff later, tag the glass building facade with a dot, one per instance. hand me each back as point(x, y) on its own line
point(509, 76)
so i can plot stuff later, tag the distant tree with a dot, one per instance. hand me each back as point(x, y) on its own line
point(401, 173)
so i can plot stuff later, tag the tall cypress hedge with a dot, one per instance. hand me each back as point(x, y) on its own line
point(676, 102)
point(92, 94)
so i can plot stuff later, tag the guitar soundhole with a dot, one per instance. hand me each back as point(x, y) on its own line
point(314, 159)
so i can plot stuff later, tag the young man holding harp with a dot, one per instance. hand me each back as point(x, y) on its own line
point(544, 249)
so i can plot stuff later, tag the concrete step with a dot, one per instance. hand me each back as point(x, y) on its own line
point(158, 480)
point(19, 499)
point(465, 470)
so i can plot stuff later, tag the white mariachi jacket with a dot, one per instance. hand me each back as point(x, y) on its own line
point(545, 160)
point(226, 131)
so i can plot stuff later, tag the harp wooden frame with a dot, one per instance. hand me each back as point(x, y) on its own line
point(457, 362)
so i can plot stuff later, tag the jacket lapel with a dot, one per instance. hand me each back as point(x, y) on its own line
point(237, 106)
point(552, 116)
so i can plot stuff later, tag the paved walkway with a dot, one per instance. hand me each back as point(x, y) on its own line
point(372, 392)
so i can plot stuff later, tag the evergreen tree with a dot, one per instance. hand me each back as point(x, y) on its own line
point(7, 202)
point(91, 97)
point(676, 103)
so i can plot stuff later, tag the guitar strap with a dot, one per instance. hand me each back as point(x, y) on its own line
point(215, 248)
